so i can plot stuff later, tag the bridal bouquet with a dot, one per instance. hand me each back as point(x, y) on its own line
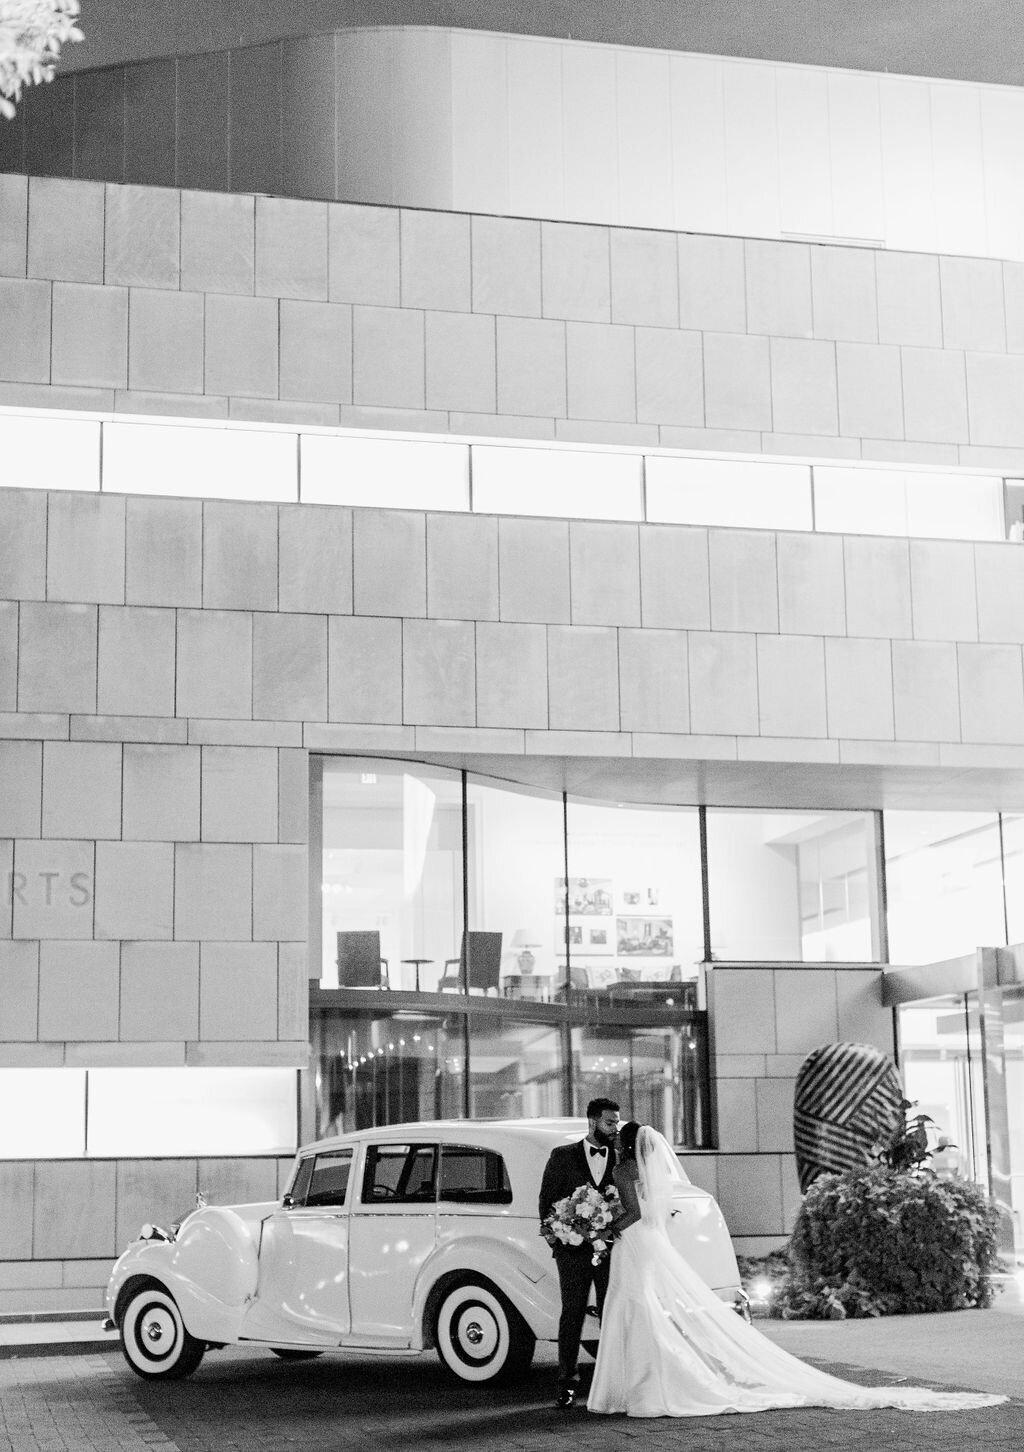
point(586, 1217)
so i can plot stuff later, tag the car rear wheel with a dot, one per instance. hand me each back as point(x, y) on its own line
point(153, 1337)
point(286, 1354)
point(480, 1336)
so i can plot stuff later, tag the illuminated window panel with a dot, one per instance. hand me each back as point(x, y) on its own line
point(46, 451)
point(384, 473)
point(152, 1113)
point(42, 1114)
point(557, 483)
point(199, 460)
point(747, 495)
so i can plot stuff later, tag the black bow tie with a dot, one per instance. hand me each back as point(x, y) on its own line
point(596, 1149)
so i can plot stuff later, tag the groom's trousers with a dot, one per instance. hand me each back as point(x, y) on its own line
point(576, 1275)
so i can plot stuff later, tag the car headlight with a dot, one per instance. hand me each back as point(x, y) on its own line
point(154, 1232)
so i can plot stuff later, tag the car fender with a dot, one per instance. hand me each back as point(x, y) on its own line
point(210, 1269)
point(699, 1233)
point(524, 1275)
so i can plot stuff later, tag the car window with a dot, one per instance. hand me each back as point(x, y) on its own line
point(296, 1191)
point(399, 1174)
point(322, 1179)
point(473, 1176)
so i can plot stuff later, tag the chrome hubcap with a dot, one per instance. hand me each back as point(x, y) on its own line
point(474, 1335)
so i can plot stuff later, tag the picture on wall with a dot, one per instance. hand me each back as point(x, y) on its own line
point(599, 940)
point(574, 935)
point(644, 937)
point(584, 896)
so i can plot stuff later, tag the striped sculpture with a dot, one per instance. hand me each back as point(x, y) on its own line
point(848, 1098)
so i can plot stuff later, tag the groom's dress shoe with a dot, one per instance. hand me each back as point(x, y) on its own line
point(566, 1397)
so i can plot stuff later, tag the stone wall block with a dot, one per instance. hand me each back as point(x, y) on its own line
point(85, 548)
point(812, 599)
point(90, 335)
point(742, 570)
point(241, 345)
point(159, 991)
point(943, 591)
point(82, 789)
point(365, 669)
point(316, 351)
point(675, 592)
point(13, 225)
point(654, 680)
point(843, 294)
point(583, 678)
point(212, 891)
point(531, 367)
point(973, 309)
point(22, 544)
point(151, 1190)
point(604, 563)
point(78, 991)
point(778, 283)
point(388, 357)
point(804, 399)
point(280, 894)
point(57, 657)
point(576, 272)
point(506, 266)
point(533, 560)
point(435, 260)
point(712, 289)
point(737, 382)
point(25, 309)
point(791, 685)
point(669, 377)
point(439, 672)
point(19, 993)
point(934, 395)
point(878, 595)
point(644, 278)
point(742, 1004)
point(161, 793)
point(239, 556)
point(217, 242)
point(164, 552)
point(600, 372)
point(364, 254)
point(462, 566)
point(52, 890)
point(65, 229)
point(870, 391)
point(289, 667)
point(291, 248)
point(926, 702)
point(909, 299)
point(315, 559)
point(166, 341)
point(238, 991)
point(74, 1209)
point(991, 693)
point(292, 991)
point(135, 890)
point(858, 676)
point(21, 786)
point(214, 664)
point(511, 675)
point(239, 794)
point(389, 570)
point(460, 362)
point(723, 684)
point(142, 243)
point(136, 661)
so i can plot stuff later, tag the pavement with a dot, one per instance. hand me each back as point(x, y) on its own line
point(64, 1387)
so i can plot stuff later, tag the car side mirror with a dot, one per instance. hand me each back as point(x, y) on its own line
point(287, 1201)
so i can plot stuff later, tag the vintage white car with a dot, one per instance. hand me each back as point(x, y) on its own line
point(385, 1241)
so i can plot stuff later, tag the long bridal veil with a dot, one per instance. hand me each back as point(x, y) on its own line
point(670, 1348)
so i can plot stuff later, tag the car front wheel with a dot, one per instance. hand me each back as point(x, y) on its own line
point(480, 1336)
point(153, 1337)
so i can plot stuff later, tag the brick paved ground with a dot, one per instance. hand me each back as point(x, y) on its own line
point(252, 1402)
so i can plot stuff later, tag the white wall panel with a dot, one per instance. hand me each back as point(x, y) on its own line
point(698, 144)
point(955, 506)
point(860, 501)
point(41, 452)
point(959, 169)
point(381, 473)
point(751, 149)
point(643, 102)
point(421, 118)
point(855, 142)
point(200, 461)
point(1002, 136)
point(535, 166)
point(805, 166)
point(745, 494)
point(558, 483)
point(364, 70)
point(480, 119)
point(590, 132)
point(908, 181)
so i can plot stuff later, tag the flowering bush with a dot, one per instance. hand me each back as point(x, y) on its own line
point(874, 1242)
point(586, 1217)
point(31, 35)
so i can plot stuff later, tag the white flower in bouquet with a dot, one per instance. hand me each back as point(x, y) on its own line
point(585, 1217)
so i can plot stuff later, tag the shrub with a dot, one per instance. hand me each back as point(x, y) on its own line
point(874, 1242)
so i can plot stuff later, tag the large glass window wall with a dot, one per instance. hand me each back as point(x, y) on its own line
point(944, 884)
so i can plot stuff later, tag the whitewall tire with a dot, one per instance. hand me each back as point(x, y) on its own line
point(480, 1336)
point(153, 1337)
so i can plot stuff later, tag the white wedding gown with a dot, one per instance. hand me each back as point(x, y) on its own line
point(670, 1348)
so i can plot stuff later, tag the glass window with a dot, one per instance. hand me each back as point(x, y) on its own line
point(185, 1111)
point(473, 1176)
point(301, 1176)
point(942, 1066)
point(630, 913)
point(384, 473)
point(388, 1068)
point(42, 1114)
point(1013, 877)
point(392, 875)
point(741, 492)
point(657, 1074)
point(329, 1181)
point(399, 1174)
point(944, 887)
point(516, 1068)
point(795, 887)
point(522, 479)
point(516, 856)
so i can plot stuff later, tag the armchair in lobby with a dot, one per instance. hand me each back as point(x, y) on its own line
point(360, 964)
point(478, 964)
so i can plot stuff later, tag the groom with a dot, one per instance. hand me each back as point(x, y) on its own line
point(588, 1161)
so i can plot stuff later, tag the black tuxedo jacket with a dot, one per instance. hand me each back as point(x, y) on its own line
point(567, 1168)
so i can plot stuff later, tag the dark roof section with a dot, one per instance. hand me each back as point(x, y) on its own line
point(973, 40)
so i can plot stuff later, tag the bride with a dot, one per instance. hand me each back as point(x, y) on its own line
point(670, 1348)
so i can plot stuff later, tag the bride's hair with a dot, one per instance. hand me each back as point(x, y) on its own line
point(627, 1138)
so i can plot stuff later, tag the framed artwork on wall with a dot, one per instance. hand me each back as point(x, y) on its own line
point(642, 937)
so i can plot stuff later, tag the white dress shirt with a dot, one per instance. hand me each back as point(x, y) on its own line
point(597, 1163)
